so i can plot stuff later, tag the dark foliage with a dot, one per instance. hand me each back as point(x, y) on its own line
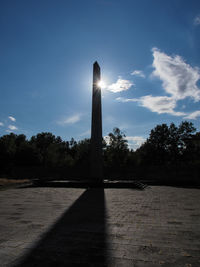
point(171, 153)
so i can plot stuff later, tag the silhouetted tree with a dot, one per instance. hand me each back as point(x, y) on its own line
point(115, 155)
point(41, 142)
point(169, 151)
point(7, 153)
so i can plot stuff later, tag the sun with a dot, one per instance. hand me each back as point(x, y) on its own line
point(101, 84)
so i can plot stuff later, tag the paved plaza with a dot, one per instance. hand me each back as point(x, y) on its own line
point(45, 226)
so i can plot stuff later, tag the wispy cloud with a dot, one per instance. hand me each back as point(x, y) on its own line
point(70, 120)
point(197, 20)
point(135, 141)
point(1, 124)
point(124, 99)
point(12, 118)
point(12, 127)
point(179, 81)
point(159, 104)
point(120, 85)
point(193, 115)
point(138, 73)
point(179, 78)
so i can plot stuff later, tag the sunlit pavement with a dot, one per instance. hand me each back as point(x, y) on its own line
point(158, 226)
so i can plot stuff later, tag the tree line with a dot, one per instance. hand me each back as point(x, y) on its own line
point(170, 153)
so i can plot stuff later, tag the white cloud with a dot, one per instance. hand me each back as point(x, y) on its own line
point(12, 127)
point(135, 141)
point(138, 73)
point(193, 115)
point(107, 139)
point(159, 104)
point(179, 78)
point(197, 20)
point(123, 99)
point(71, 119)
point(179, 81)
point(120, 85)
point(12, 118)
point(1, 124)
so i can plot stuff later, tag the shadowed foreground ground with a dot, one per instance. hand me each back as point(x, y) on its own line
point(158, 226)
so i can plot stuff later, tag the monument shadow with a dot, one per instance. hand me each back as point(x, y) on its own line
point(78, 238)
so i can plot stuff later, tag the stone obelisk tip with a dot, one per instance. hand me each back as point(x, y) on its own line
point(96, 64)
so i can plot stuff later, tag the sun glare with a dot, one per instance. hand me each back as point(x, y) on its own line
point(101, 84)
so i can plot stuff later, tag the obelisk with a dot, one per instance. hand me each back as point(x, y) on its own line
point(96, 129)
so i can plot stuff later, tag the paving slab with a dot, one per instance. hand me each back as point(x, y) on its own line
point(47, 226)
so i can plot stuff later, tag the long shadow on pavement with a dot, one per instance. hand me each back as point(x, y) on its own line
point(78, 238)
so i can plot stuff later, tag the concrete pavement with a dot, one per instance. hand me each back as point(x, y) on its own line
point(45, 226)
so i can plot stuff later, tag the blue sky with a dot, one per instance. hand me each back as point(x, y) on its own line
point(149, 57)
